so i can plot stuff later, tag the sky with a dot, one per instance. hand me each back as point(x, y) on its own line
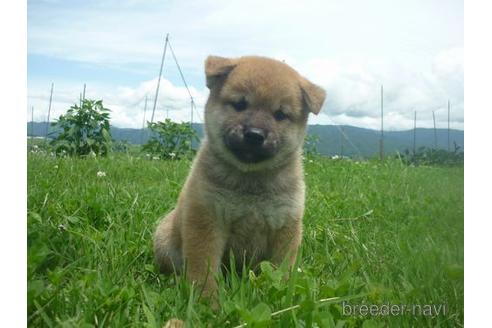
point(414, 48)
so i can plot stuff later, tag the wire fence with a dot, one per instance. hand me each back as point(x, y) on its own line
point(344, 137)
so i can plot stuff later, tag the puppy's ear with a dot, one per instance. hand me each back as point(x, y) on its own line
point(312, 95)
point(216, 68)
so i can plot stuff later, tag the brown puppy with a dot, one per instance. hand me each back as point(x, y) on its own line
point(245, 191)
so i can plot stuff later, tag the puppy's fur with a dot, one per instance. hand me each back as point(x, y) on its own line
point(245, 192)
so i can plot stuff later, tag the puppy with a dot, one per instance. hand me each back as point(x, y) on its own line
point(245, 192)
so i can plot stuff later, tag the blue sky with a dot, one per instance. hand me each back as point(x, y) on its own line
point(414, 48)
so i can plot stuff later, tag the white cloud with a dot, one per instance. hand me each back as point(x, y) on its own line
point(414, 48)
point(107, 31)
point(353, 96)
point(353, 92)
point(126, 104)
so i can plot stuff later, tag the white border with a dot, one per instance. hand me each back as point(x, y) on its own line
point(478, 217)
point(13, 224)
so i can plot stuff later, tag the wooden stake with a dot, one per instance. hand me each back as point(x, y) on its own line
point(49, 111)
point(191, 123)
point(159, 80)
point(32, 121)
point(341, 141)
point(381, 141)
point(143, 123)
point(414, 131)
point(449, 145)
point(435, 131)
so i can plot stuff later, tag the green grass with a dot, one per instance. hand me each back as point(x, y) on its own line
point(374, 233)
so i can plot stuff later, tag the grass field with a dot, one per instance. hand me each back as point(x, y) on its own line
point(375, 233)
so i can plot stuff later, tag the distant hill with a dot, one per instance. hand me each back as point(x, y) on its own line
point(366, 141)
point(358, 142)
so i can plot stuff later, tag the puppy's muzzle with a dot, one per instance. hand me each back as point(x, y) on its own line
point(250, 144)
point(254, 137)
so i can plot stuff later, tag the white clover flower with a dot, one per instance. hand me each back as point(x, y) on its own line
point(311, 161)
point(55, 167)
point(101, 174)
point(92, 154)
point(147, 155)
point(155, 157)
point(335, 157)
point(172, 155)
point(299, 269)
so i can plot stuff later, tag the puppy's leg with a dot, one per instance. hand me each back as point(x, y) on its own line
point(203, 247)
point(167, 245)
point(285, 243)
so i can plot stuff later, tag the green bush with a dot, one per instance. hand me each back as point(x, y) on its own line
point(120, 146)
point(170, 140)
point(311, 142)
point(39, 146)
point(85, 130)
point(430, 156)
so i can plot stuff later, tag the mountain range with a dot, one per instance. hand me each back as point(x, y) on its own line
point(333, 139)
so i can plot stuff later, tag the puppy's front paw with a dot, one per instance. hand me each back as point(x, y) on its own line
point(174, 323)
point(209, 292)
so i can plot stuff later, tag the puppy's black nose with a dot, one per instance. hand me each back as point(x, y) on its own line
point(254, 136)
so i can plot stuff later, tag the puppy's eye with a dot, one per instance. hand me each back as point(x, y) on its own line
point(280, 115)
point(239, 105)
